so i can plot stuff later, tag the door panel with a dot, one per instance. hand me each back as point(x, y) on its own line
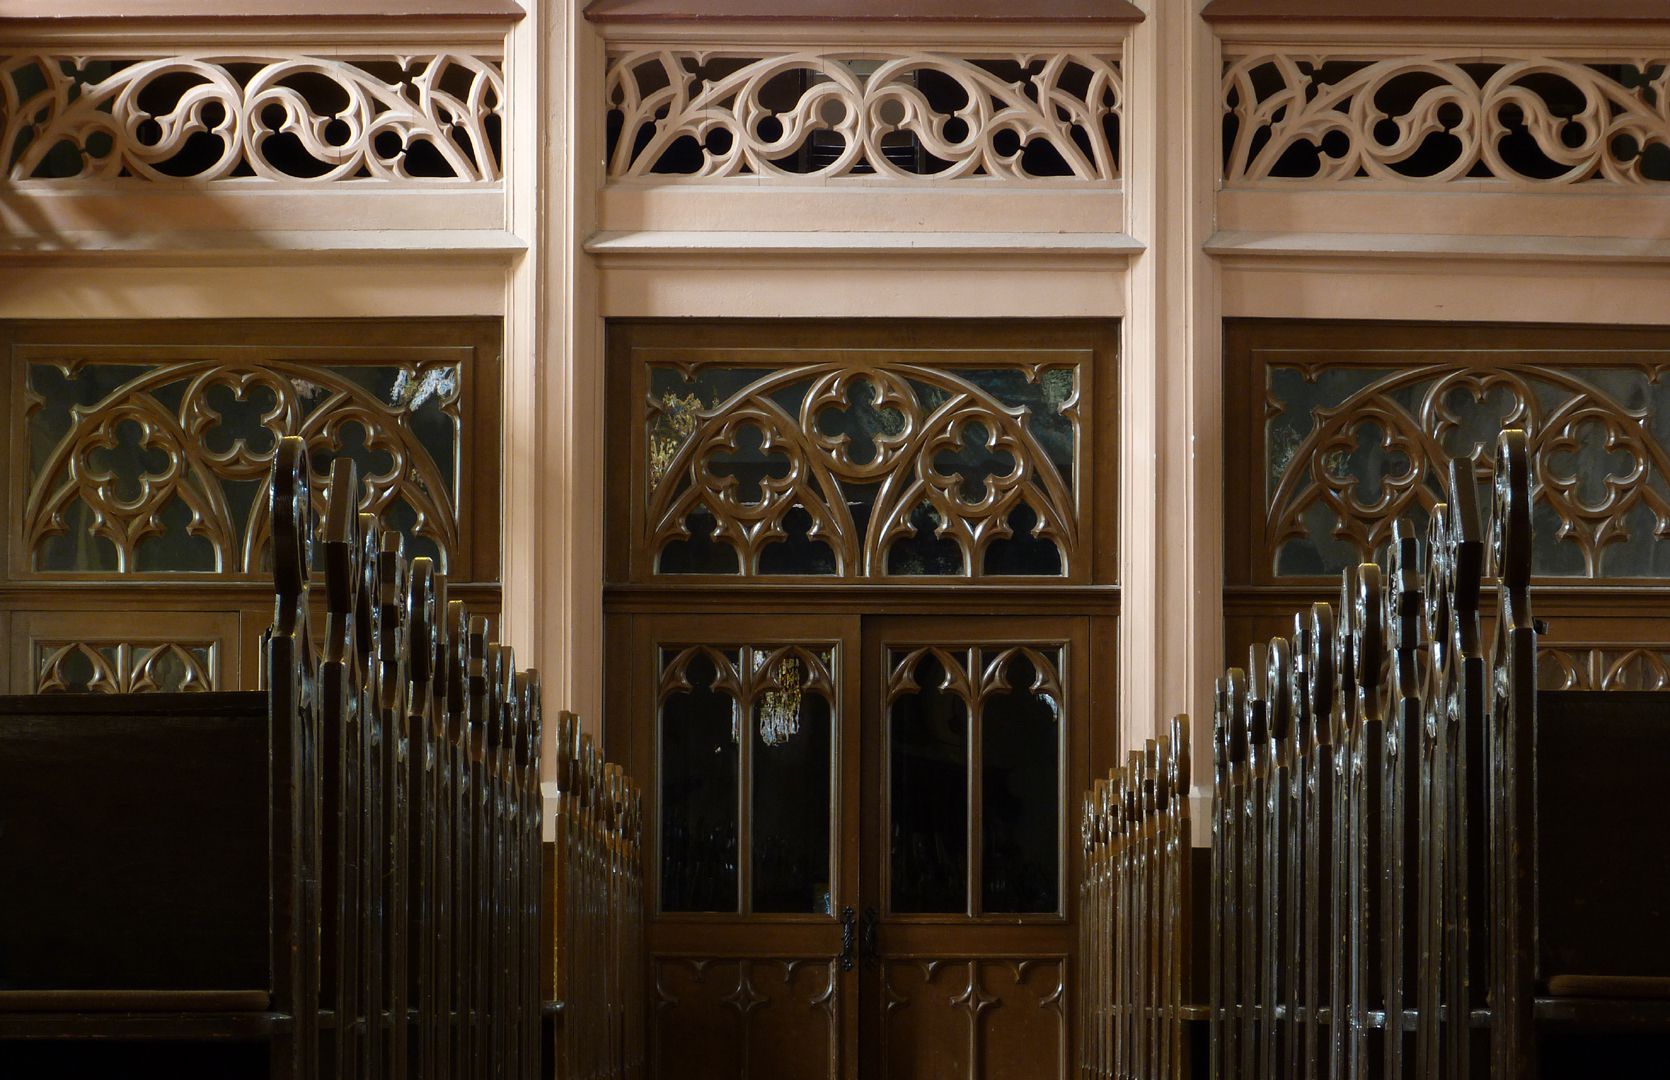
point(752, 725)
point(971, 735)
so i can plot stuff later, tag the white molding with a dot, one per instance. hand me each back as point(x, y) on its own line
point(709, 248)
point(265, 247)
point(868, 288)
point(1435, 252)
point(852, 205)
point(1390, 38)
point(317, 288)
point(125, 36)
point(1007, 36)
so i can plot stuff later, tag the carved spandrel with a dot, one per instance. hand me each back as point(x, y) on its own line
point(1527, 120)
point(124, 667)
point(863, 470)
point(148, 468)
point(283, 117)
point(881, 113)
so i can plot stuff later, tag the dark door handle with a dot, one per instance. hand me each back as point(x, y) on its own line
point(867, 937)
point(848, 937)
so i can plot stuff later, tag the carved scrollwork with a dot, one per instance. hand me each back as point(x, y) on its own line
point(1528, 118)
point(841, 113)
point(1350, 451)
point(894, 469)
point(124, 667)
point(135, 455)
point(271, 116)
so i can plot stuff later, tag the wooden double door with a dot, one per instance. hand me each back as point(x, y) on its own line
point(862, 857)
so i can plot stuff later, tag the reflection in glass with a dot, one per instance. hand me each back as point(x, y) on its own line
point(928, 770)
point(1020, 759)
point(790, 808)
point(698, 793)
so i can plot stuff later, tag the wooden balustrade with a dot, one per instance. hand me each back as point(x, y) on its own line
point(1135, 912)
point(595, 916)
point(1420, 866)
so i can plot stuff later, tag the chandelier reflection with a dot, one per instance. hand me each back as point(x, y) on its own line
point(780, 707)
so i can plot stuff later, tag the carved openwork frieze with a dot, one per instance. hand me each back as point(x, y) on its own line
point(124, 667)
point(863, 469)
point(1603, 667)
point(1350, 448)
point(897, 114)
point(137, 467)
point(1527, 118)
point(270, 116)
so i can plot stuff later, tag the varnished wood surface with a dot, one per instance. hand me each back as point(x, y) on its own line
point(1438, 11)
point(133, 833)
point(972, 995)
point(133, 1001)
point(60, 11)
point(677, 11)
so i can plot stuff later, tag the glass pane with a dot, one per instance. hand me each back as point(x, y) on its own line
point(928, 770)
point(1351, 449)
point(161, 467)
point(1020, 763)
point(791, 802)
point(862, 468)
point(699, 752)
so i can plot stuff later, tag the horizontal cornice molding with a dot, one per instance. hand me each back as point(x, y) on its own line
point(60, 12)
point(1438, 11)
point(1250, 249)
point(263, 248)
point(728, 246)
point(615, 12)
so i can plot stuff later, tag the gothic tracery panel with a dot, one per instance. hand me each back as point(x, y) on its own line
point(1527, 119)
point(899, 114)
point(272, 116)
point(141, 466)
point(864, 469)
point(1351, 445)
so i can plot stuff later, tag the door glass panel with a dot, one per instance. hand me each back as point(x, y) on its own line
point(700, 735)
point(790, 831)
point(928, 770)
point(1020, 760)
